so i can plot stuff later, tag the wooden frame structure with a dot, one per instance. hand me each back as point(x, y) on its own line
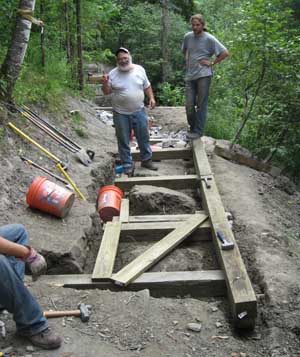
point(201, 226)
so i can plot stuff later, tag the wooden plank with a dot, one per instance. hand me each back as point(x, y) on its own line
point(241, 294)
point(166, 154)
point(209, 283)
point(124, 211)
point(151, 231)
point(157, 251)
point(107, 253)
point(175, 182)
point(163, 217)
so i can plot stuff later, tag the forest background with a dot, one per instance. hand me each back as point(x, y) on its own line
point(255, 95)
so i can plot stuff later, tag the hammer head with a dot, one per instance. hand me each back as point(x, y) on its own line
point(84, 312)
point(227, 245)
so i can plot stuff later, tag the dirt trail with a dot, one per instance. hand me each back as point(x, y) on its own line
point(266, 226)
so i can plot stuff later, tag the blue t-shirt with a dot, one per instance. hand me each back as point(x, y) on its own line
point(198, 48)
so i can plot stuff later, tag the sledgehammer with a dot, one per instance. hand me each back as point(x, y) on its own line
point(83, 312)
point(225, 244)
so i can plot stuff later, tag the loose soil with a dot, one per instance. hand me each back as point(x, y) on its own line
point(266, 212)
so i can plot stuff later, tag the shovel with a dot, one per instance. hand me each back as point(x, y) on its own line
point(84, 156)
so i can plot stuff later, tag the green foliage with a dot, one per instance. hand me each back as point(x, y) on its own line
point(169, 95)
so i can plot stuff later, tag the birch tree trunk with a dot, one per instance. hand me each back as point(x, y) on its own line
point(13, 61)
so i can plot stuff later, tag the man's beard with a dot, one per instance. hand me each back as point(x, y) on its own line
point(125, 67)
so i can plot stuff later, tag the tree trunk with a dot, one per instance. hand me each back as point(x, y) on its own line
point(13, 61)
point(165, 29)
point(67, 29)
point(79, 45)
point(42, 11)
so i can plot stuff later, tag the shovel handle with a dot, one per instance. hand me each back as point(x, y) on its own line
point(25, 136)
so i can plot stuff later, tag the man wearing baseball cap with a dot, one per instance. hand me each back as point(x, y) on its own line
point(128, 83)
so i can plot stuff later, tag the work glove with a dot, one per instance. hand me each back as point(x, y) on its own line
point(36, 262)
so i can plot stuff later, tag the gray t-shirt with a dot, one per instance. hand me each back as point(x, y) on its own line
point(197, 48)
point(128, 89)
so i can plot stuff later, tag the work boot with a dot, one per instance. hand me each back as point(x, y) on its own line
point(46, 340)
point(129, 171)
point(149, 165)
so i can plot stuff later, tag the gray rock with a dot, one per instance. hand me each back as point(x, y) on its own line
point(150, 199)
point(194, 327)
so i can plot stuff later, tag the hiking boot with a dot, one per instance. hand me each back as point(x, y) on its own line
point(192, 135)
point(46, 340)
point(149, 165)
point(129, 171)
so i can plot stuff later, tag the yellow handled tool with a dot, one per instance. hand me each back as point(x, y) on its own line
point(21, 133)
point(48, 153)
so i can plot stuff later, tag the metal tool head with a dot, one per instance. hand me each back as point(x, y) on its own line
point(227, 245)
point(84, 312)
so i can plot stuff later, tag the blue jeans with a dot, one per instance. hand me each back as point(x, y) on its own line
point(124, 123)
point(14, 296)
point(196, 93)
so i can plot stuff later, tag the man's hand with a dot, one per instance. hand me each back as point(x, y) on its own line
point(105, 78)
point(36, 263)
point(205, 62)
point(152, 103)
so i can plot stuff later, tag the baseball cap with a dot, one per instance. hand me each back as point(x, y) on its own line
point(121, 49)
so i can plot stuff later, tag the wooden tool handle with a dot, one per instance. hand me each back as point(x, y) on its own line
point(62, 313)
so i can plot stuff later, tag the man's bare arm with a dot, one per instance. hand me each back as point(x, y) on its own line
point(13, 249)
point(150, 95)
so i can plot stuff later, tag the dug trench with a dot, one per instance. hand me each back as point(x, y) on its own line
point(266, 224)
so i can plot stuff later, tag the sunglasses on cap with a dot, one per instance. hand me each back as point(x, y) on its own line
point(121, 49)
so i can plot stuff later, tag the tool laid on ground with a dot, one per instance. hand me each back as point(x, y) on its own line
point(32, 163)
point(83, 312)
point(206, 178)
point(58, 162)
point(226, 245)
point(84, 156)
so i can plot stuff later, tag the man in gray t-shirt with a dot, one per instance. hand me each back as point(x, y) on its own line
point(127, 84)
point(198, 48)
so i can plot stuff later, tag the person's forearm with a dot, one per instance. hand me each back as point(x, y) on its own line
point(106, 89)
point(149, 93)
point(221, 57)
point(13, 249)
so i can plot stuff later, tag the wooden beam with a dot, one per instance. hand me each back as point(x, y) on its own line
point(175, 182)
point(241, 294)
point(124, 211)
point(166, 154)
point(209, 283)
point(107, 253)
point(157, 251)
point(151, 231)
point(163, 217)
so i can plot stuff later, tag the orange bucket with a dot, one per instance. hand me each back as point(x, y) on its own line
point(49, 197)
point(109, 202)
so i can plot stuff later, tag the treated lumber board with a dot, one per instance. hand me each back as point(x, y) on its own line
point(208, 283)
point(175, 182)
point(150, 231)
point(166, 154)
point(163, 217)
point(107, 253)
point(157, 251)
point(240, 291)
point(124, 211)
